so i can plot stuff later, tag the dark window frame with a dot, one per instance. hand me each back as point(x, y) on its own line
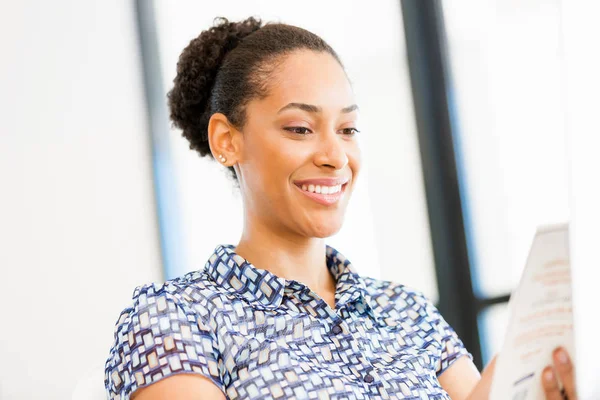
point(443, 172)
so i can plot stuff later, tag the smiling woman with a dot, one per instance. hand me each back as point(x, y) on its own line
point(281, 314)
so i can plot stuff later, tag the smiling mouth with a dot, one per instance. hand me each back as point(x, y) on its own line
point(325, 193)
point(321, 189)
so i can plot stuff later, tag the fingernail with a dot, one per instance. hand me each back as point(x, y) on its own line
point(562, 356)
point(549, 376)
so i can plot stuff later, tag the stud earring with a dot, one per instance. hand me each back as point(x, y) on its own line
point(222, 158)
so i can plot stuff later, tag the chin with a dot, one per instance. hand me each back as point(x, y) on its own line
point(322, 230)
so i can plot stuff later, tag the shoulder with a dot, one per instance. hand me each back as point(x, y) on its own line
point(166, 329)
point(193, 287)
point(388, 294)
point(157, 307)
point(399, 305)
point(191, 294)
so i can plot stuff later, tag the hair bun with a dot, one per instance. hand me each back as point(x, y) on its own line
point(196, 73)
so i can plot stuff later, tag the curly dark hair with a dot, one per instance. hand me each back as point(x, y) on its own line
point(225, 67)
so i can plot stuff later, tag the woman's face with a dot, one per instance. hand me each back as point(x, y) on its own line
point(299, 154)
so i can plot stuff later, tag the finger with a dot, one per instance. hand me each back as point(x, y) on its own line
point(550, 385)
point(565, 371)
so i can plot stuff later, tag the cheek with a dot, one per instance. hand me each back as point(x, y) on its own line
point(284, 155)
point(292, 155)
point(354, 158)
point(271, 159)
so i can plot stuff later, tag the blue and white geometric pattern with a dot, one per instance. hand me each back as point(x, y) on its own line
point(258, 336)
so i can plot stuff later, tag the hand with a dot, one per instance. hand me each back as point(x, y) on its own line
point(564, 367)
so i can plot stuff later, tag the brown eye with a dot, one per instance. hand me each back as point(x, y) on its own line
point(350, 131)
point(300, 130)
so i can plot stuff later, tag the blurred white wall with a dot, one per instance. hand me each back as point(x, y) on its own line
point(77, 221)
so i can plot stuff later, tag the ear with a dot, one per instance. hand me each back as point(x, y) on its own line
point(223, 139)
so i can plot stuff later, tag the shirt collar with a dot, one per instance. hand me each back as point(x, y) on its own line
point(266, 290)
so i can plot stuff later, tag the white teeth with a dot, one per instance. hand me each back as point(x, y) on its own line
point(322, 189)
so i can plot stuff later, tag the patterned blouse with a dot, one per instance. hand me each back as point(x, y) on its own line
point(258, 336)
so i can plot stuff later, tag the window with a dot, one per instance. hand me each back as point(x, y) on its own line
point(506, 59)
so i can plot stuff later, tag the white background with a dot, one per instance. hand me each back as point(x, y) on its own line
point(77, 221)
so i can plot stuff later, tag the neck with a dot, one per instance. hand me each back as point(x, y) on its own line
point(287, 256)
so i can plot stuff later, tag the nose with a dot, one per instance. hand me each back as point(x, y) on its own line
point(331, 152)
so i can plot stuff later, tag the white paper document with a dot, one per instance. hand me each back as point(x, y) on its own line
point(541, 318)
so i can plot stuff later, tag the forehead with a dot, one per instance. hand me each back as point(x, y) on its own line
point(310, 77)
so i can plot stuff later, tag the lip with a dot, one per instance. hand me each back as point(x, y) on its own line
point(323, 199)
point(322, 181)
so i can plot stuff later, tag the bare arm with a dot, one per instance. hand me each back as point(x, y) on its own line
point(461, 378)
point(180, 387)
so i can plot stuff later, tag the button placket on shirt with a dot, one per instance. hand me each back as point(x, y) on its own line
point(355, 316)
point(340, 327)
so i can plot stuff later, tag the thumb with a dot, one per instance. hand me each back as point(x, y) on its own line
point(482, 390)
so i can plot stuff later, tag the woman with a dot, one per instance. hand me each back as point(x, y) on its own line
point(282, 315)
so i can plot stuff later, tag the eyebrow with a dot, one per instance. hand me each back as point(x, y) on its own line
point(314, 109)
